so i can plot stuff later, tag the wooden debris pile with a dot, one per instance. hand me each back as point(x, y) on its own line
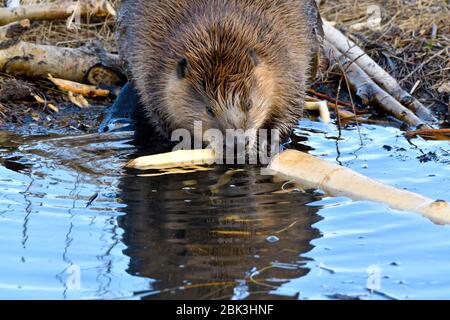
point(93, 70)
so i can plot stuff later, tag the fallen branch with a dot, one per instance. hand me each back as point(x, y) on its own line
point(79, 88)
point(56, 10)
point(27, 59)
point(312, 172)
point(437, 134)
point(347, 116)
point(324, 96)
point(374, 71)
point(14, 29)
point(369, 91)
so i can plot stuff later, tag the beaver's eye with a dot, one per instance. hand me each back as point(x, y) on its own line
point(182, 68)
point(210, 110)
point(248, 106)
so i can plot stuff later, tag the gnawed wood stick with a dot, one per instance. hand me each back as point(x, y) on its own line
point(320, 106)
point(56, 10)
point(49, 106)
point(315, 173)
point(79, 88)
point(312, 172)
point(181, 158)
point(27, 59)
point(14, 29)
point(374, 71)
point(369, 91)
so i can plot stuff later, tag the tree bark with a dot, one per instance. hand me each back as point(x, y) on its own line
point(32, 60)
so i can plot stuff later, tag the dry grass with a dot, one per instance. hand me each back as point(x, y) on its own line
point(56, 32)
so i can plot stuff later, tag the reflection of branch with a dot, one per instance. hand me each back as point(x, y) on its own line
point(251, 278)
point(69, 239)
point(27, 213)
point(147, 293)
point(106, 256)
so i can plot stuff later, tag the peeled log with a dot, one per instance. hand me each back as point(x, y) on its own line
point(369, 91)
point(312, 172)
point(181, 158)
point(79, 88)
point(55, 10)
point(20, 58)
point(374, 71)
point(322, 107)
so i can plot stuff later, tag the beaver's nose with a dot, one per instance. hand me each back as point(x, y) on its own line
point(240, 150)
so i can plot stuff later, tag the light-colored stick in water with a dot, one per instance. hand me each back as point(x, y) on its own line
point(322, 107)
point(181, 158)
point(312, 172)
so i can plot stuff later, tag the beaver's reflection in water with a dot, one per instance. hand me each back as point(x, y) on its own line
point(202, 235)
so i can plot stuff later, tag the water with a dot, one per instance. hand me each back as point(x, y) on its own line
point(75, 225)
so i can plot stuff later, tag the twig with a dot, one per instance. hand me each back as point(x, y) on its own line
point(420, 66)
point(430, 133)
point(79, 88)
point(324, 96)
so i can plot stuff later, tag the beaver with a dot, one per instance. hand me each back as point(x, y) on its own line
point(231, 64)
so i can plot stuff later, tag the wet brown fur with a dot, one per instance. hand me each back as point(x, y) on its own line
point(248, 62)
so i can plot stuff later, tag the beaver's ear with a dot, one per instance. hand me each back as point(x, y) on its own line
point(182, 68)
point(253, 56)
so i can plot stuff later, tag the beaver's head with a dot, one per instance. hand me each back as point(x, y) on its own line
point(229, 84)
